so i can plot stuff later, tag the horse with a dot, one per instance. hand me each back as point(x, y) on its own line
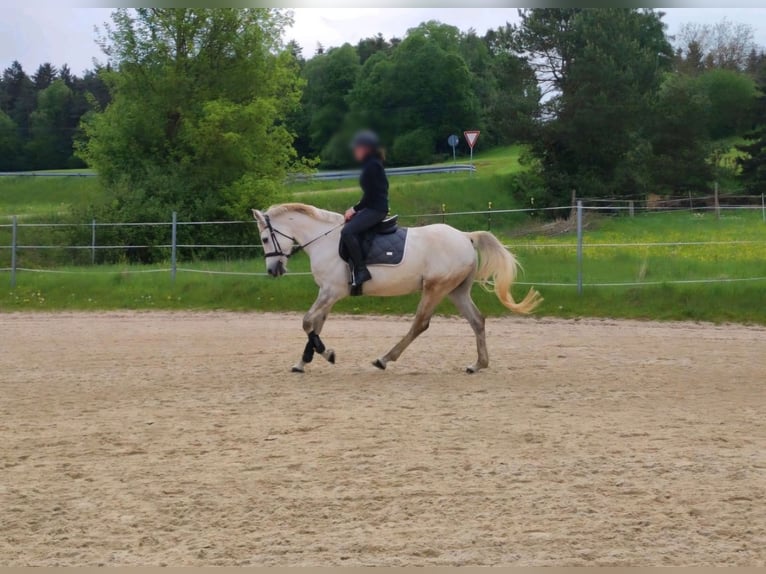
point(439, 261)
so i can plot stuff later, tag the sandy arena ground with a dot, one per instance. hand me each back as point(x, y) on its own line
point(159, 438)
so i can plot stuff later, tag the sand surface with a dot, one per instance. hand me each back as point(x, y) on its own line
point(182, 438)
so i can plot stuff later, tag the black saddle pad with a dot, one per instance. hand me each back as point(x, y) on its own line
point(382, 249)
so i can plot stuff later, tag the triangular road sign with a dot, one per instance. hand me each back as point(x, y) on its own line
point(471, 136)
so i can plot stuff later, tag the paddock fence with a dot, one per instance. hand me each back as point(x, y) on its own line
point(571, 220)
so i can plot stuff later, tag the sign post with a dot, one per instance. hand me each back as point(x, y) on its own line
point(452, 141)
point(471, 136)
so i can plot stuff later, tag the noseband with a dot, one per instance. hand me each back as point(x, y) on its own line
point(296, 247)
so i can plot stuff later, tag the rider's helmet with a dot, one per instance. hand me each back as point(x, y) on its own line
point(365, 138)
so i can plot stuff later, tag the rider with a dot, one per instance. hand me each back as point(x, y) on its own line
point(373, 207)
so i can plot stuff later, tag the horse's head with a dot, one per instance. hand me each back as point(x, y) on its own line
point(277, 242)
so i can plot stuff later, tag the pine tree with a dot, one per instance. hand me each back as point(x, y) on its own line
point(753, 164)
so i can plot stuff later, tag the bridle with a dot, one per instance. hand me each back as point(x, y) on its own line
point(296, 247)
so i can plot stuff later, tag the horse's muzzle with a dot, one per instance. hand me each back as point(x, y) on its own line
point(278, 271)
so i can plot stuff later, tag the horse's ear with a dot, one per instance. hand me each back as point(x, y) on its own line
point(259, 217)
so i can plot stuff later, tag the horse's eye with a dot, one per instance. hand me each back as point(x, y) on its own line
point(265, 239)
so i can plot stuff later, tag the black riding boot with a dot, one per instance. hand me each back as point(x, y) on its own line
point(359, 271)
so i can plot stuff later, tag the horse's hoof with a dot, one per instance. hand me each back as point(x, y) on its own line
point(378, 363)
point(331, 358)
point(297, 370)
point(471, 370)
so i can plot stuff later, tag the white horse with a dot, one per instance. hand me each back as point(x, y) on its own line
point(439, 260)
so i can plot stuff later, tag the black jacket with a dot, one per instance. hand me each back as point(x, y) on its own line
point(374, 184)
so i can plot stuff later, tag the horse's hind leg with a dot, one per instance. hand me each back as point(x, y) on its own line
point(461, 297)
point(428, 302)
point(313, 321)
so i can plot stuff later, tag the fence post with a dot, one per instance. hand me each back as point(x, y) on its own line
point(691, 202)
point(717, 204)
point(14, 227)
point(93, 242)
point(173, 248)
point(489, 216)
point(579, 247)
point(444, 211)
point(632, 208)
point(763, 206)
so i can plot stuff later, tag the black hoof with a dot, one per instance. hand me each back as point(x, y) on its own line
point(297, 370)
point(379, 364)
point(331, 358)
point(470, 370)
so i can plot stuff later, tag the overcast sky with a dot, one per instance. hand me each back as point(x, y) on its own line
point(60, 34)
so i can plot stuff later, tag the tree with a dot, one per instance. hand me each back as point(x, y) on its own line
point(367, 47)
point(601, 70)
point(691, 61)
point(10, 143)
point(196, 118)
point(424, 84)
point(725, 45)
point(511, 101)
point(732, 95)
point(330, 77)
point(51, 132)
point(753, 160)
point(18, 96)
point(44, 76)
point(679, 138)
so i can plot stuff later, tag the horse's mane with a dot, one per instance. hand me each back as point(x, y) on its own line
point(308, 210)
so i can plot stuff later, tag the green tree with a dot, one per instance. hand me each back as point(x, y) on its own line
point(753, 161)
point(366, 47)
point(601, 71)
point(330, 77)
point(680, 142)
point(17, 97)
point(732, 95)
point(511, 97)
point(45, 75)
point(423, 85)
point(196, 118)
point(51, 132)
point(9, 143)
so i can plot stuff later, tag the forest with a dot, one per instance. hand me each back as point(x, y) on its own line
point(209, 110)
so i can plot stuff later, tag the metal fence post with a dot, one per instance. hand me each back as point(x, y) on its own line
point(173, 248)
point(444, 212)
point(763, 206)
point(14, 228)
point(717, 202)
point(489, 216)
point(579, 247)
point(632, 208)
point(93, 242)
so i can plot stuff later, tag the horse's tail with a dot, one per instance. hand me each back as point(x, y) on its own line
point(497, 272)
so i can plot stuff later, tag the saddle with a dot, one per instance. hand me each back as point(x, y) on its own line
point(382, 244)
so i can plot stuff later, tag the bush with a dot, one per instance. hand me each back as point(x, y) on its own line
point(413, 148)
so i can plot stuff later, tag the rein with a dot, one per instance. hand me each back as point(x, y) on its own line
point(297, 248)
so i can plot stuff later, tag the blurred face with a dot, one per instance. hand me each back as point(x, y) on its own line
point(361, 152)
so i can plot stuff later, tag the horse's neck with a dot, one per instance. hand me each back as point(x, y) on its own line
point(310, 232)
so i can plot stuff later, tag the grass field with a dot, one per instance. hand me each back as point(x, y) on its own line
point(547, 258)
point(45, 197)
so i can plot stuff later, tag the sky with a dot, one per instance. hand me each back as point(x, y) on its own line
point(60, 34)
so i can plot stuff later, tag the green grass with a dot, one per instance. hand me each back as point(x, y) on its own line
point(117, 287)
point(44, 197)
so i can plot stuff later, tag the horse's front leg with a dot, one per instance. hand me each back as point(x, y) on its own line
point(313, 321)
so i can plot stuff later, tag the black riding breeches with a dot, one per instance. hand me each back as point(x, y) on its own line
point(351, 234)
point(362, 221)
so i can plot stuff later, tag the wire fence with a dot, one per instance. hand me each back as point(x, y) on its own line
point(574, 214)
